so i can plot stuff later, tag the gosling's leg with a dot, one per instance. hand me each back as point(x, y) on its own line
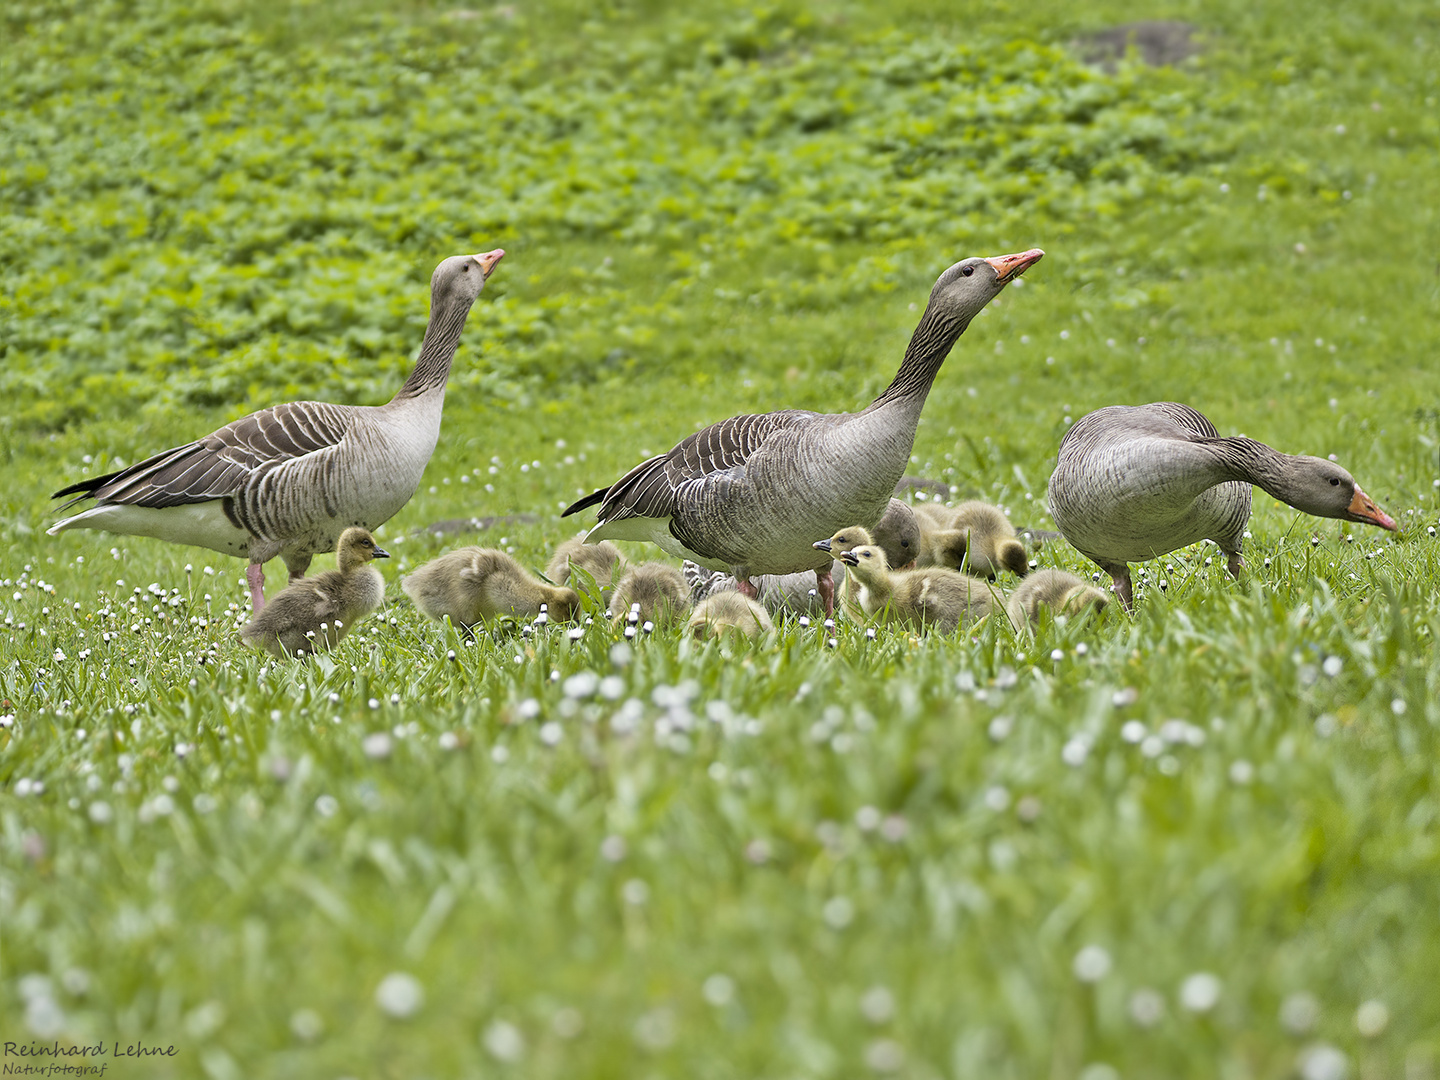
point(255, 575)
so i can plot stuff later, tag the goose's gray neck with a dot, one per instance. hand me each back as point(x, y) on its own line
point(1255, 463)
point(437, 353)
point(931, 343)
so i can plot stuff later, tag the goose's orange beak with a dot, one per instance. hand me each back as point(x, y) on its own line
point(488, 260)
point(1009, 267)
point(1361, 508)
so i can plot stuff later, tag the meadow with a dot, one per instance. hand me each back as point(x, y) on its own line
point(1199, 841)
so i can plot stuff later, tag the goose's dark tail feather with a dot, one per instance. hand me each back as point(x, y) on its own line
point(580, 504)
point(87, 486)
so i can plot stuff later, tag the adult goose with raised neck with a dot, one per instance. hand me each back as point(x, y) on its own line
point(288, 480)
point(1135, 482)
point(749, 495)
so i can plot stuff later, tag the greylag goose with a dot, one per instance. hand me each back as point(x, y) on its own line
point(975, 536)
point(1135, 482)
point(660, 593)
point(1062, 592)
point(726, 613)
point(749, 495)
point(474, 584)
point(897, 532)
point(289, 479)
point(935, 596)
point(317, 612)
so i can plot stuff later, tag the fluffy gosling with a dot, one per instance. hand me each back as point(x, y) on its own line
point(799, 594)
point(600, 561)
point(660, 590)
point(1063, 593)
point(727, 613)
point(316, 612)
point(474, 584)
point(977, 535)
point(932, 597)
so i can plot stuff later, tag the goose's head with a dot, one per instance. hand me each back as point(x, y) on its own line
point(898, 532)
point(867, 562)
point(964, 289)
point(1323, 488)
point(357, 547)
point(843, 541)
point(459, 279)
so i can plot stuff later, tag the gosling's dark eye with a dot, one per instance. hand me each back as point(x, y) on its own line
point(967, 271)
point(465, 269)
point(1334, 481)
point(904, 543)
point(865, 554)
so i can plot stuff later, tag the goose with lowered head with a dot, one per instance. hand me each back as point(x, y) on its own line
point(1135, 482)
point(749, 495)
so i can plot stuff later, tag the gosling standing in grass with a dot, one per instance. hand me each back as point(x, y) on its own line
point(1063, 593)
point(475, 584)
point(600, 561)
point(316, 612)
point(897, 532)
point(933, 597)
point(660, 590)
point(974, 535)
point(728, 613)
point(845, 541)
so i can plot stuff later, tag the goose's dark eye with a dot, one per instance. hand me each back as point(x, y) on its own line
point(967, 271)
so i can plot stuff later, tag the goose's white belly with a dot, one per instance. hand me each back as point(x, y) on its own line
point(197, 524)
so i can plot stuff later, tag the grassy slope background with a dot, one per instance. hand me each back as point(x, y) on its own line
point(884, 851)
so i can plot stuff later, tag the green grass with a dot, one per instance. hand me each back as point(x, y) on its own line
point(778, 860)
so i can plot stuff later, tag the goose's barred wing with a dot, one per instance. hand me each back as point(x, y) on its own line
point(1186, 417)
point(219, 464)
point(649, 489)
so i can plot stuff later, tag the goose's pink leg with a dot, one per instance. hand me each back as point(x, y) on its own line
point(745, 588)
point(255, 575)
point(1120, 575)
point(825, 585)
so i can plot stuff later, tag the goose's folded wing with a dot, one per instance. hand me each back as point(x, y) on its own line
point(219, 464)
point(649, 489)
point(1185, 417)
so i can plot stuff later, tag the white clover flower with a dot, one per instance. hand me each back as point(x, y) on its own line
point(504, 1042)
point(400, 995)
point(718, 990)
point(1092, 963)
point(1200, 992)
